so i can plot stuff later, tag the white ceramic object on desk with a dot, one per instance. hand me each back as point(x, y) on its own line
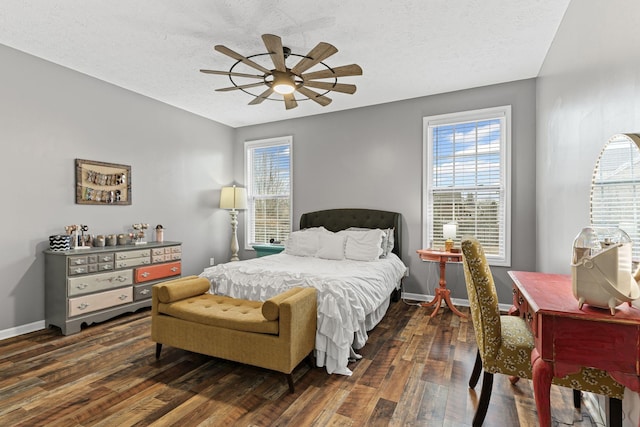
point(601, 269)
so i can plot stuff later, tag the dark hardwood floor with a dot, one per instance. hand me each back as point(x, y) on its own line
point(414, 371)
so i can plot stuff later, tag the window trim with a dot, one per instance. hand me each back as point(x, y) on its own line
point(258, 143)
point(502, 112)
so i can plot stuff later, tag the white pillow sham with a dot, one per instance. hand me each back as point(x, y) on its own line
point(302, 243)
point(388, 241)
point(363, 245)
point(331, 246)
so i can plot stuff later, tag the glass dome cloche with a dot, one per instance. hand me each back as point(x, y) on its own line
point(601, 268)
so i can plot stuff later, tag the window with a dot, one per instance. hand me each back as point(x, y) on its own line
point(268, 173)
point(466, 179)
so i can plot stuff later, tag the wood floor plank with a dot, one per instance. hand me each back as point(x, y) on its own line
point(414, 371)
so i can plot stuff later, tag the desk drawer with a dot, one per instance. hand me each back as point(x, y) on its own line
point(524, 310)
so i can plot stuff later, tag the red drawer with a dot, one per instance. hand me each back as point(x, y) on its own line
point(153, 272)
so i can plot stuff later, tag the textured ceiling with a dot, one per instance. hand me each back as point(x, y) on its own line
point(406, 49)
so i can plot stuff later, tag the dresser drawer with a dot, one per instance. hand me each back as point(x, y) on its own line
point(98, 282)
point(105, 257)
point(153, 272)
point(141, 292)
point(124, 263)
point(142, 253)
point(157, 251)
point(78, 269)
point(78, 260)
point(99, 301)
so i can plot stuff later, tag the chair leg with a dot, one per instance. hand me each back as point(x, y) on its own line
point(158, 350)
point(577, 397)
point(615, 412)
point(485, 396)
point(477, 368)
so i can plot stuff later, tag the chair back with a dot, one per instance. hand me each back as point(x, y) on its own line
point(483, 300)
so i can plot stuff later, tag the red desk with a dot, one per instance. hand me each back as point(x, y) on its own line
point(567, 338)
point(442, 293)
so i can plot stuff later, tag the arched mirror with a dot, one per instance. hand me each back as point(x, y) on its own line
point(615, 188)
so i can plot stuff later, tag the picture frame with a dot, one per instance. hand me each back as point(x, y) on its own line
point(101, 183)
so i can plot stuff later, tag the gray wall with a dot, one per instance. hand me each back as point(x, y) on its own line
point(588, 90)
point(49, 116)
point(372, 158)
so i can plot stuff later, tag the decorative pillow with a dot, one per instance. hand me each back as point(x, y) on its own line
point(331, 246)
point(363, 245)
point(302, 243)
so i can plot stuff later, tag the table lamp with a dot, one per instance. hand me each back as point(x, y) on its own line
point(233, 198)
point(449, 233)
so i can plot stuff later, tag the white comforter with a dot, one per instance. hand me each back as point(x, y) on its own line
point(352, 295)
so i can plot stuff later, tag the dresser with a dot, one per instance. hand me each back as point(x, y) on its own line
point(85, 286)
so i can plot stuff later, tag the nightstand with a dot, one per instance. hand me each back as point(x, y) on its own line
point(265, 249)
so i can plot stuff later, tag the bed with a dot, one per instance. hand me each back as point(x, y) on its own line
point(353, 294)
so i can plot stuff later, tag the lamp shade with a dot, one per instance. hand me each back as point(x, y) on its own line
point(233, 198)
point(449, 230)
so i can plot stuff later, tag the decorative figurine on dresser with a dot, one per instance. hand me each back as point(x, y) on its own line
point(100, 282)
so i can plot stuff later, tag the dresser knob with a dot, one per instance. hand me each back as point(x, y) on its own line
point(121, 279)
point(123, 297)
point(82, 286)
point(79, 270)
point(520, 300)
point(83, 306)
point(144, 291)
point(174, 269)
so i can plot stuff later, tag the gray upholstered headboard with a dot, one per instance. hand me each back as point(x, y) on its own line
point(341, 219)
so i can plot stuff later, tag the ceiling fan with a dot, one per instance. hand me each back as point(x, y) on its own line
point(289, 81)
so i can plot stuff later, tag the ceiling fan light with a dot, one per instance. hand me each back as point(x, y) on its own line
point(283, 83)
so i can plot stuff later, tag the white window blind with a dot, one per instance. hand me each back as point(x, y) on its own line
point(615, 188)
point(466, 175)
point(268, 170)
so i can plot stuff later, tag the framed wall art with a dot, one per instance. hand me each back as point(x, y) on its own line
point(100, 183)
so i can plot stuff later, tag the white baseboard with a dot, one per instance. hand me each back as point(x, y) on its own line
point(456, 301)
point(22, 329)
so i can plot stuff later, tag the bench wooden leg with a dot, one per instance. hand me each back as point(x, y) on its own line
point(158, 350)
point(290, 381)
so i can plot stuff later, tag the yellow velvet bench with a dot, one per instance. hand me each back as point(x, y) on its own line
point(277, 334)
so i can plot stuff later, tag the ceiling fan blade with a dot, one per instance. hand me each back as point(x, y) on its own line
point(264, 95)
point(274, 47)
point(344, 71)
point(229, 73)
point(244, 59)
point(227, 89)
point(314, 96)
point(319, 53)
point(290, 101)
point(336, 87)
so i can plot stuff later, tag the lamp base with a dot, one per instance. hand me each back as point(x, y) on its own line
point(448, 245)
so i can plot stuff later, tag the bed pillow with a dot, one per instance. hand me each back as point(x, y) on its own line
point(363, 245)
point(302, 243)
point(388, 241)
point(331, 246)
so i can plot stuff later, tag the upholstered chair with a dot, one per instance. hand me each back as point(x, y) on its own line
point(505, 342)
